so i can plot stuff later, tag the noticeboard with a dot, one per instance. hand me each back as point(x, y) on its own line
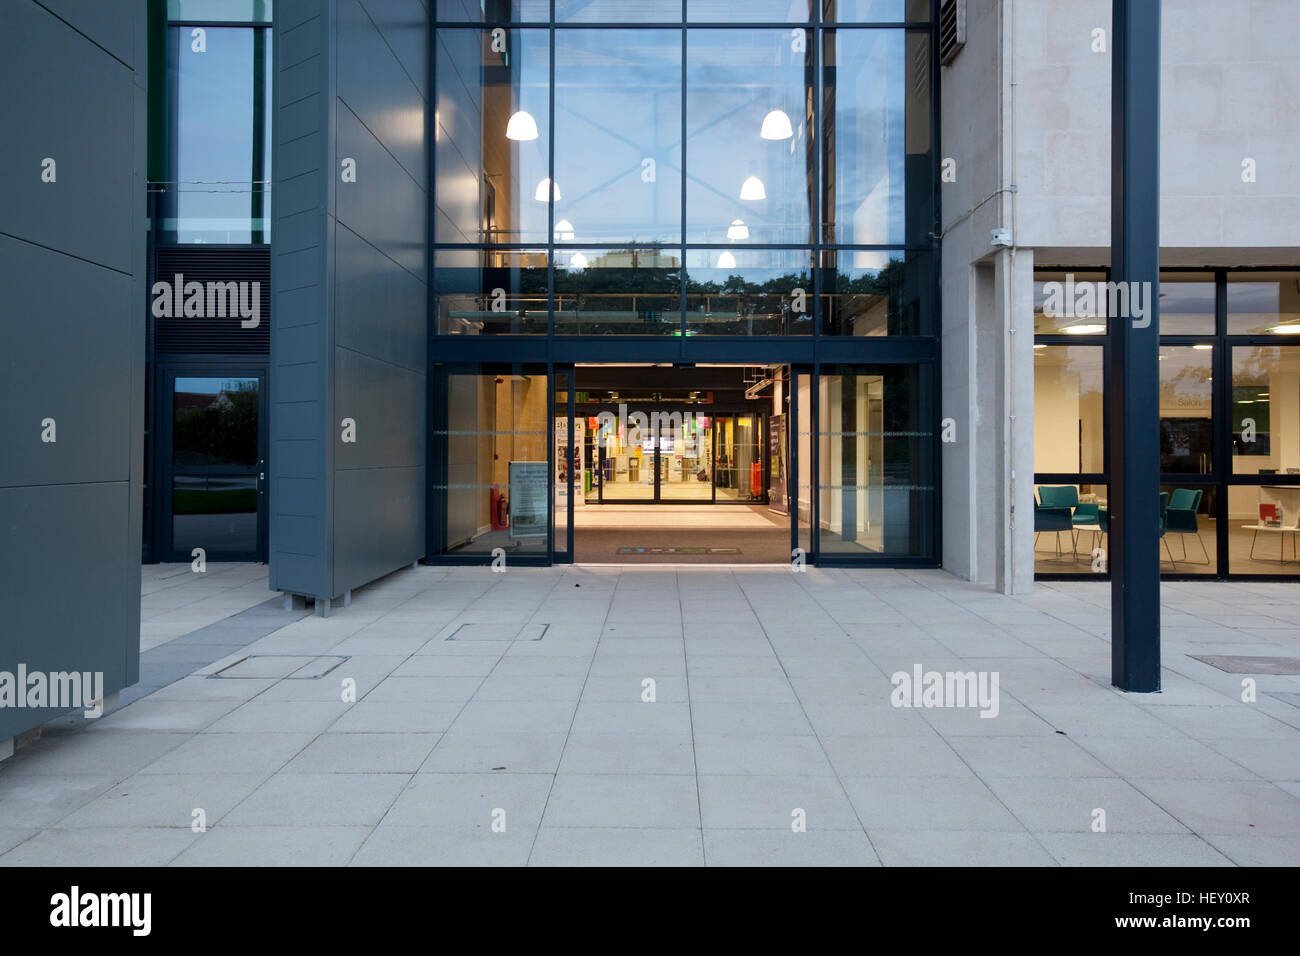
point(529, 493)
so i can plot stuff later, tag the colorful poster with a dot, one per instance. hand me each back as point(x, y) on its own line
point(777, 472)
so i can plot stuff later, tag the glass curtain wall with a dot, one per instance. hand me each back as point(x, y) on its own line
point(705, 171)
point(680, 169)
point(1229, 430)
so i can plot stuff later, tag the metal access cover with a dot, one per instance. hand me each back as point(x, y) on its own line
point(280, 666)
point(498, 632)
point(1250, 665)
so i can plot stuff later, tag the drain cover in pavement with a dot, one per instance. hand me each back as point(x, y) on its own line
point(281, 666)
point(1251, 665)
point(498, 632)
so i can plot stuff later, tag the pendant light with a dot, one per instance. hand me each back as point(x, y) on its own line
point(726, 260)
point(738, 230)
point(543, 186)
point(522, 126)
point(564, 230)
point(776, 125)
point(752, 189)
point(578, 262)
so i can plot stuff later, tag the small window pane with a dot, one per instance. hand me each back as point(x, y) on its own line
point(1187, 409)
point(219, 156)
point(1068, 302)
point(1266, 412)
point(1187, 303)
point(1264, 302)
point(749, 152)
point(1069, 410)
point(493, 11)
point(618, 11)
point(618, 126)
point(868, 292)
point(492, 140)
point(876, 11)
point(749, 11)
point(485, 292)
point(748, 292)
point(617, 292)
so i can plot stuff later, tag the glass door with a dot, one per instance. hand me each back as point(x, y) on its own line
point(214, 480)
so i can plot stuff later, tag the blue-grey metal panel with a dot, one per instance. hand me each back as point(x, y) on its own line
point(384, 205)
point(72, 340)
point(379, 523)
point(387, 402)
point(68, 100)
point(62, 579)
point(380, 306)
point(404, 25)
point(65, 345)
point(378, 90)
point(107, 23)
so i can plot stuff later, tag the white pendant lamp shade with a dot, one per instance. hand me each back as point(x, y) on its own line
point(564, 229)
point(542, 188)
point(522, 126)
point(776, 125)
point(726, 261)
point(752, 189)
point(738, 230)
point(579, 261)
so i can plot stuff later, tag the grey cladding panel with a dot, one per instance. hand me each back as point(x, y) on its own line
point(66, 99)
point(378, 523)
point(67, 597)
point(108, 23)
point(65, 353)
point(384, 205)
point(404, 25)
point(380, 307)
point(378, 90)
point(388, 404)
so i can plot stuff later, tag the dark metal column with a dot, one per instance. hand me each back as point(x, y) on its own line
point(1134, 438)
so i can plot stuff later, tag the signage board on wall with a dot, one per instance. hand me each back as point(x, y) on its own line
point(529, 491)
point(777, 473)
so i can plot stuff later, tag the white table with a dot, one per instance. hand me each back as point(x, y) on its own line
point(1273, 529)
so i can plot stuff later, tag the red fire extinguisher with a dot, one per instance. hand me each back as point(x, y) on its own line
point(500, 506)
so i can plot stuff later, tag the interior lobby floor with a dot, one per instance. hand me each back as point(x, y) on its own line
point(522, 697)
point(680, 534)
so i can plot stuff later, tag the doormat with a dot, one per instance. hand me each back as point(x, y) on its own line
point(1250, 665)
point(679, 551)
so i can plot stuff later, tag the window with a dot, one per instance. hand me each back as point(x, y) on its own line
point(1229, 429)
point(219, 135)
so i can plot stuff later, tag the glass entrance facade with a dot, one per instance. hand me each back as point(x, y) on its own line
point(688, 184)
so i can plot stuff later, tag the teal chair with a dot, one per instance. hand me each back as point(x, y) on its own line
point(1103, 522)
point(1053, 514)
point(1067, 496)
point(1180, 518)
